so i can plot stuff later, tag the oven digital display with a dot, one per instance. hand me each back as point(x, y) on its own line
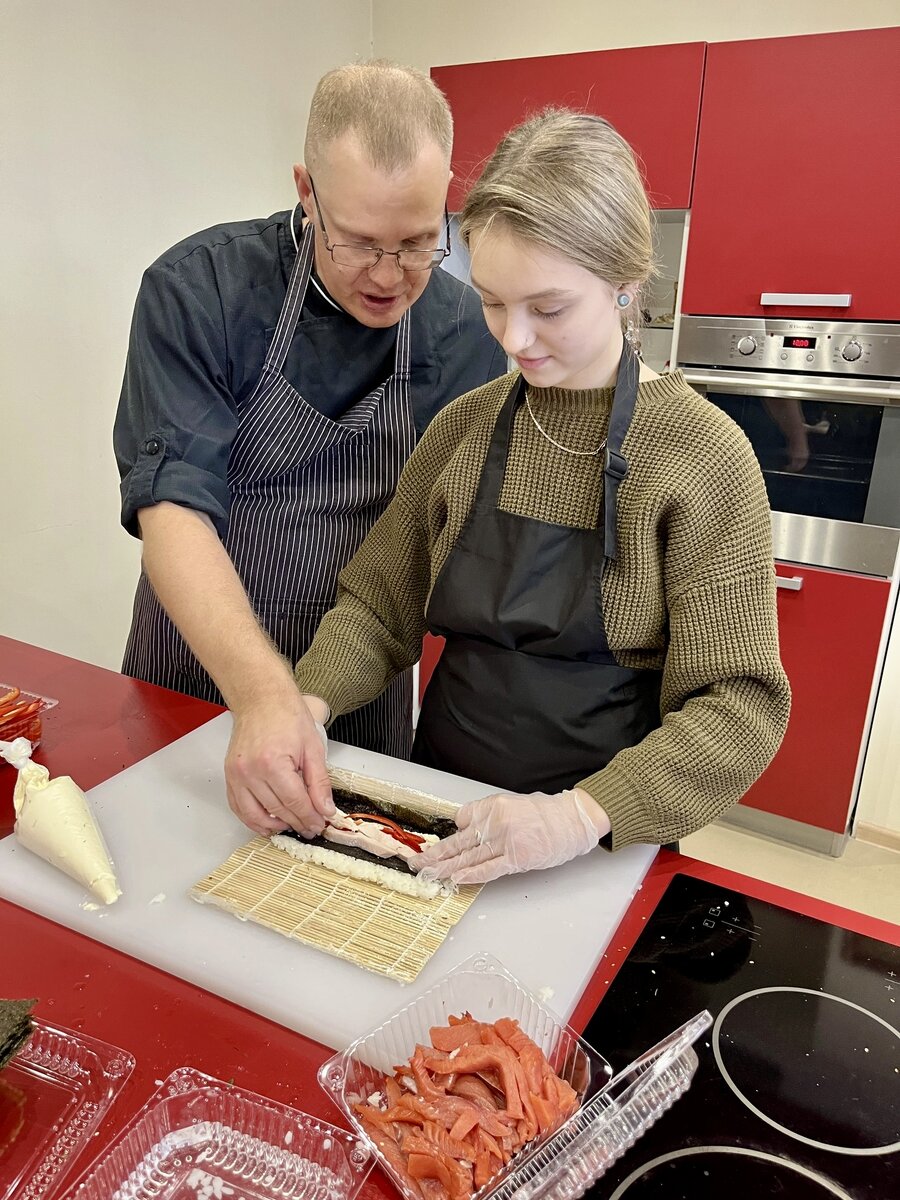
point(800, 343)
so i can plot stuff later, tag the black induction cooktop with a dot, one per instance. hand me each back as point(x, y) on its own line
point(798, 1090)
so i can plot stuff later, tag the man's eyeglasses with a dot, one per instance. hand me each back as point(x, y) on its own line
point(363, 258)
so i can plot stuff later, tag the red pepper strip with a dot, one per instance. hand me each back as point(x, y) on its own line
point(25, 709)
point(10, 697)
point(396, 831)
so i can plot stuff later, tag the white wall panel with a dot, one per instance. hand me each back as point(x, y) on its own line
point(879, 796)
point(429, 33)
point(124, 126)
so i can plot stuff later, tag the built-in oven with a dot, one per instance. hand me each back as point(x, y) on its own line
point(819, 402)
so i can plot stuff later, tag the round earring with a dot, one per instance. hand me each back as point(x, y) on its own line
point(623, 299)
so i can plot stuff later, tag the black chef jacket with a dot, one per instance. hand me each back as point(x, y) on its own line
point(204, 316)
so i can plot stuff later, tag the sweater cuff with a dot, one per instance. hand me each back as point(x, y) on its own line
point(326, 686)
point(623, 804)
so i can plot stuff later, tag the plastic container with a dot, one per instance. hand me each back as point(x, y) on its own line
point(198, 1138)
point(23, 719)
point(484, 988)
point(614, 1112)
point(53, 1095)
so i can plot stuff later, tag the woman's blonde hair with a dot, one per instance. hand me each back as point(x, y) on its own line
point(391, 109)
point(567, 180)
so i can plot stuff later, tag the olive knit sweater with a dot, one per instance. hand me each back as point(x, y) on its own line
point(692, 591)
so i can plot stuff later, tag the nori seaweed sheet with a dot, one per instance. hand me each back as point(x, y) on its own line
point(16, 1027)
point(352, 802)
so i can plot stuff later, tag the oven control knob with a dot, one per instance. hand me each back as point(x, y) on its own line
point(852, 351)
point(747, 345)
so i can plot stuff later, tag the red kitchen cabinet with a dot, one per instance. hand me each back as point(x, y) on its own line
point(797, 177)
point(431, 651)
point(830, 628)
point(650, 93)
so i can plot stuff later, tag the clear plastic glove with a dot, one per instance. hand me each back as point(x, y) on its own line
point(507, 833)
point(323, 738)
point(275, 772)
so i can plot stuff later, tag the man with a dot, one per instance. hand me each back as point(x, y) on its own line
point(279, 372)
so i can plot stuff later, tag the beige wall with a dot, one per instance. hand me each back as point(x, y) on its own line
point(124, 126)
point(879, 796)
point(428, 33)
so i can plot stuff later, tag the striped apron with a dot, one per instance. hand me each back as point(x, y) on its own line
point(305, 492)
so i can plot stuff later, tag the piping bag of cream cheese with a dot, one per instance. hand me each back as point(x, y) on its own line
point(53, 820)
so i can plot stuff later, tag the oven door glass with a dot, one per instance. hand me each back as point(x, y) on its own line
point(817, 458)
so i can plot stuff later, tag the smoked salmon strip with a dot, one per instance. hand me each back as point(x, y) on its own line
point(453, 1115)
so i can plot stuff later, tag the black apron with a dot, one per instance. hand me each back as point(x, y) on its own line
point(305, 491)
point(527, 695)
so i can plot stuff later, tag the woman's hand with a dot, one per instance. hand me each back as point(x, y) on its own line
point(507, 833)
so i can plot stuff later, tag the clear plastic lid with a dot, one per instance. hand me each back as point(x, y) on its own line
point(199, 1138)
point(614, 1112)
point(584, 1149)
point(53, 1095)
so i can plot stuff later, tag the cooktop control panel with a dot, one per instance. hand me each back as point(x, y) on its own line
point(807, 347)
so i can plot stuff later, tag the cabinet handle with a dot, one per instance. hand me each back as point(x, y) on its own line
point(808, 299)
point(790, 583)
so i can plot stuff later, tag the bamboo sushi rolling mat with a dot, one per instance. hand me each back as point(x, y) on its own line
point(366, 924)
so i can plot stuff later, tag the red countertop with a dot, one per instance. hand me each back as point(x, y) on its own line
point(104, 723)
point(163, 1021)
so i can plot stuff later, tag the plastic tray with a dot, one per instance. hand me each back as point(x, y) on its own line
point(198, 1138)
point(484, 988)
point(17, 729)
point(53, 1095)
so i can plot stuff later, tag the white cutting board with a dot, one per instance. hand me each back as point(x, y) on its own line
point(167, 825)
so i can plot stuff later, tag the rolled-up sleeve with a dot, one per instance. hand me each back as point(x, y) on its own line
point(176, 419)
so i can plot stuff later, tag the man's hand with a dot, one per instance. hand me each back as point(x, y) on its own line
point(275, 770)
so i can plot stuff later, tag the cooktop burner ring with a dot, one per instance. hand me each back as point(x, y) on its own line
point(828, 1187)
point(859, 1151)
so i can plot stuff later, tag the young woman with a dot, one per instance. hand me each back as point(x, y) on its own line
point(592, 540)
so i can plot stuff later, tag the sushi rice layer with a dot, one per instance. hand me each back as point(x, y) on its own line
point(362, 868)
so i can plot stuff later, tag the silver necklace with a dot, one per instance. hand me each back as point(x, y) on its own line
point(559, 445)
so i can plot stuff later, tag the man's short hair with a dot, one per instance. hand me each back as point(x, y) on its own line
point(391, 109)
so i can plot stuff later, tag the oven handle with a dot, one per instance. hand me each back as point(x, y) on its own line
point(807, 299)
point(789, 583)
point(725, 383)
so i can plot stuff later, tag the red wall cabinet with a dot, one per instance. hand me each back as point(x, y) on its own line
point(830, 628)
point(431, 652)
point(650, 93)
point(797, 177)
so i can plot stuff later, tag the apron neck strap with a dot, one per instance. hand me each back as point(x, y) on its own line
point(293, 301)
point(494, 469)
point(615, 465)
